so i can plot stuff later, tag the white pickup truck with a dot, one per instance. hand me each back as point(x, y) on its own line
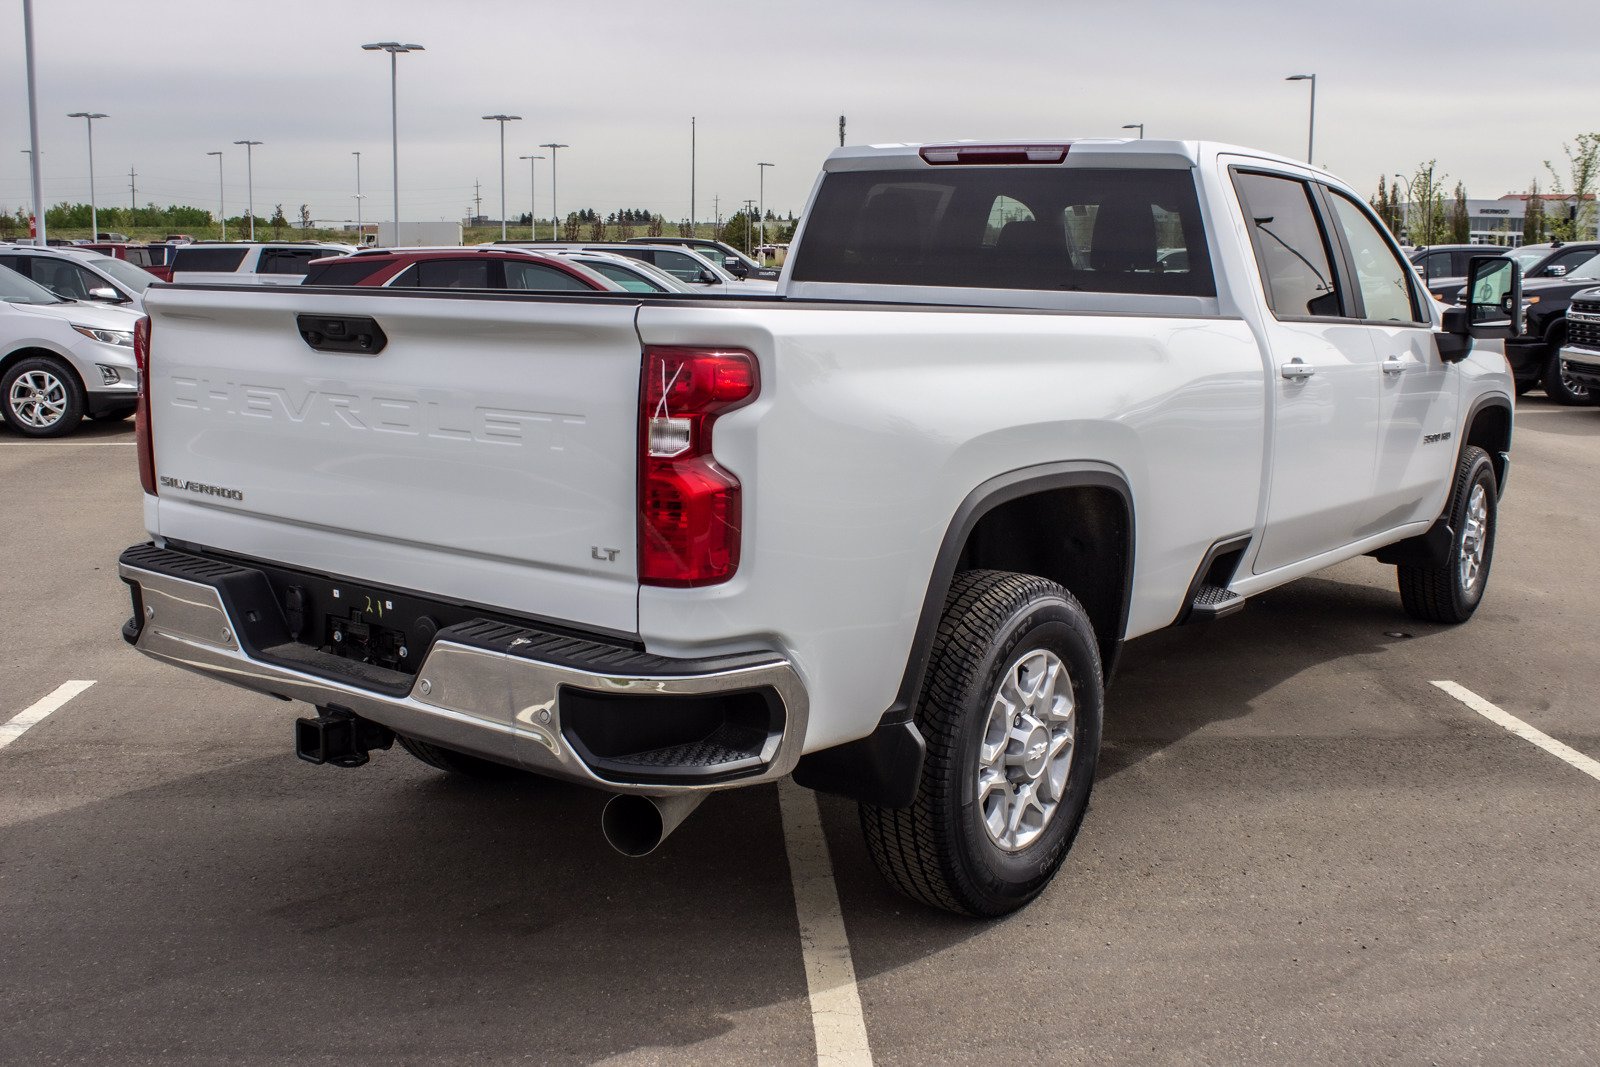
point(885, 531)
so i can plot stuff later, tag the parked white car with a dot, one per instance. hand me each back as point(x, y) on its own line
point(62, 359)
point(249, 264)
point(75, 274)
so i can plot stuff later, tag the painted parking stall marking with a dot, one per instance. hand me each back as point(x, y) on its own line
point(1565, 753)
point(836, 1019)
point(36, 712)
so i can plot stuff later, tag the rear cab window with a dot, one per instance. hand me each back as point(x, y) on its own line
point(1062, 229)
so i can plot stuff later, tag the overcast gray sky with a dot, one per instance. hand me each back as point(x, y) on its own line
point(1489, 91)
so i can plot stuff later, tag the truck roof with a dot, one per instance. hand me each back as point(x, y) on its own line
point(1080, 151)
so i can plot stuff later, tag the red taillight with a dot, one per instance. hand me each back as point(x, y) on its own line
point(689, 513)
point(141, 417)
point(945, 155)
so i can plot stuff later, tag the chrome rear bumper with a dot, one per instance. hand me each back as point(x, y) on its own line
point(500, 705)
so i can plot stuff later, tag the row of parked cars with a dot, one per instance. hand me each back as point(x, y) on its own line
point(1554, 276)
point(67, 312)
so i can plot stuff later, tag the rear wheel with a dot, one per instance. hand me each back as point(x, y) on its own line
point(1011, 712)
point(1451, 592)
point(42, 397)
point(448, 759)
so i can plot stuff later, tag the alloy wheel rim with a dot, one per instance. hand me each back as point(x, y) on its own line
point(38, 399)
point(1474, 534)
point(1026, 751)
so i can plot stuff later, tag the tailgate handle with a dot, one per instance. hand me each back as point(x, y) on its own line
point(356, 334)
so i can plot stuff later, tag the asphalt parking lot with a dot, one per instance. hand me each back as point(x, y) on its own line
point(1299, 850)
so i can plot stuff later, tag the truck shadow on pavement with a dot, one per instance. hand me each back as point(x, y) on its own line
point(398, 914)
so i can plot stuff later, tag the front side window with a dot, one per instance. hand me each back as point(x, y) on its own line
point(633, 283)
point(539, 276)
point(1291, 249)
point(64, 279)
point(681, 265)
point(1572, 260)
point(1385, 291)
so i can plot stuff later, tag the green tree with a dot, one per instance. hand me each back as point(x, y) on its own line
point(1460, 221)
point(658, 226)
point(1533, 219)
point(569, 228)
point(278, 222)
point(738, 231)
point(1427, 224)
point(1583, 167)
point(305, 217)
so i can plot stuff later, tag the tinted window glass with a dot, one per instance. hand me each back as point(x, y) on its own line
point(289, 260)
point(451, 273)
point(624, 277)
point(1437, 265)
point(539, 276)
point(1109, 231)
point(1385, 292)
point(134, 277)
point(63, 278)
point(344, 271)
point(1573, 259)
point(680, 265)
point(1291, 250)
point(15, 289)
point(208, 259)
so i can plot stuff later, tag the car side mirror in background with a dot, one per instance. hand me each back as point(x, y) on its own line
point(106, 293)
point(735, 268)
point(707, 278)
point(1556, 270)
point(1493, 308)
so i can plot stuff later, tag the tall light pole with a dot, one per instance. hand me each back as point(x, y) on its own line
point(555, 220)
point(691, 173)
point(33, 127)
point(222, 200)
point(394, 48)
point(1311, 132)
point(250, 184)
point(533, 198)
point(502, 120)
point(1136, 126)
point(1405, 205)
point(761, 210)
point(361, 233)
point(94, 211)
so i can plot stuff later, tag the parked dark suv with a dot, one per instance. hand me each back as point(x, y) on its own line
point(1448, 261)
point(1553, 260)
point(1535, 357)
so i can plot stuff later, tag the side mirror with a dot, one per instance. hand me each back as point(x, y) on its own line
point(1493, 307)
point(707, 278)
point(735, 268)
point(106, 293)
point(1556, 270)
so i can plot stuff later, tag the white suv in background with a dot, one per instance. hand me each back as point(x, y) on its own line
point(249, 264)
point(62, 359)
point(75, 274)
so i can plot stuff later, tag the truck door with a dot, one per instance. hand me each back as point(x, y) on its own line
point(1325, 383)
point(1418, 398)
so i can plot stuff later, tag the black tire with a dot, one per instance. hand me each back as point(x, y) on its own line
point(114, 415)
point(1523, 387)
point(448, 759)
point(939, 850)
point(1560, 388)
point(1442, 594)
point(23, 414)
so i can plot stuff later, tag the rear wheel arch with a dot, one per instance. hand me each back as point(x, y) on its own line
point(12, 358)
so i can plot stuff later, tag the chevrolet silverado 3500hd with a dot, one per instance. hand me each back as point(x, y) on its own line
point(886, 531)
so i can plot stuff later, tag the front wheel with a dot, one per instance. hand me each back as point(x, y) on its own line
point(1011, 710)
point(1561, 388)
point(42, 397)
point(1452, 591)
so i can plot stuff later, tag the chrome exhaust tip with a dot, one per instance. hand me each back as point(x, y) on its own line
point(636, 825)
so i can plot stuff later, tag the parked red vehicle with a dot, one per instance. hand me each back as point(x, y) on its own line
point(155, 258)
point(458, 268)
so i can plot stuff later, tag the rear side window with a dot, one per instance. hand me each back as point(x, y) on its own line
point(139, 257)
point(680, 265)
point(1291, 249)
point(343, 271)
point(1108, 231)
point(539, 276)
point(289, 260)
point(624, 277)
point(209, 259)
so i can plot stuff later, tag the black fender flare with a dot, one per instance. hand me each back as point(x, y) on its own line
point(883, 768)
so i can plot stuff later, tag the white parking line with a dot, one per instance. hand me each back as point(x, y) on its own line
point(1565, 753)
point(18, 725)
point(836, 1019)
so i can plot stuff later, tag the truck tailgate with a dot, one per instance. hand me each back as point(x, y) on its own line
point(486, 455)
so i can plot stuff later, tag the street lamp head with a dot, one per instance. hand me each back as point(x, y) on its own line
point(1300, 77)
point(502, 118)
point(392, 46)
point(208, 153)
point(86, 115)
point(251, 143)
point(553, 146)
point(519, 157)
point(1132, 125)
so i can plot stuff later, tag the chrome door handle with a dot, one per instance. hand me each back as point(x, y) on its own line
point(1394, 365)
point(1296, 370)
